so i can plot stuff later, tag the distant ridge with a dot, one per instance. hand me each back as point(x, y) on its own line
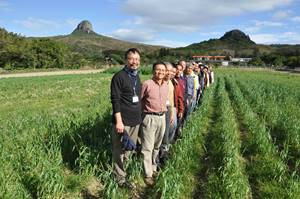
point(85, 40)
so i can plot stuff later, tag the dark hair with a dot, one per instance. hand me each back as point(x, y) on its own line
point(131, 50)
point(174, 65)
point(179, 65)
point(157, 63)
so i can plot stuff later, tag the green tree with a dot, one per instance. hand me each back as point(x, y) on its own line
point(278, 61)
point(48, 53)
point(257, 61)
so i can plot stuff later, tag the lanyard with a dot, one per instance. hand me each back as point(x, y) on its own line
point(133, 83)
point(134, 86)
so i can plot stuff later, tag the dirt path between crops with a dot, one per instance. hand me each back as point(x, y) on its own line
point(64, 72)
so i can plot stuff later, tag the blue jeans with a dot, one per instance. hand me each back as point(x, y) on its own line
point(165, 142)
point(170, 128)
point(190, 105)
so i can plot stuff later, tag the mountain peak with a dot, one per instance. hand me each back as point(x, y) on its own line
point(236, 36)
point(84, 26)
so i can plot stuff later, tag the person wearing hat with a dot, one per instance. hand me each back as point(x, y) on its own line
point(126, 105)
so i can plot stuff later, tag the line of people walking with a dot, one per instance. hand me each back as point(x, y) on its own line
point(152, 114)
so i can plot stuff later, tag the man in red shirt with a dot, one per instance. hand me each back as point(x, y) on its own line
point(180, 78)
point(178, 94)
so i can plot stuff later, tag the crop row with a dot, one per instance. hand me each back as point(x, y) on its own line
point(281, 117)
point(268, 174)
point(226, 176)
point(178, 179)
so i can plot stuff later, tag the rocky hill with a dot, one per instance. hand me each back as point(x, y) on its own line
point(232, 43)
point(84, 40)
point(236, 36)
point(84, 26)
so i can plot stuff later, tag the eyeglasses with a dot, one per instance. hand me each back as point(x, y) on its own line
point(160, 70)
point(133, 59)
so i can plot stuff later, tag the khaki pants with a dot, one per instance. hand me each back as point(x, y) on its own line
point(152, 135)
point(119, 154)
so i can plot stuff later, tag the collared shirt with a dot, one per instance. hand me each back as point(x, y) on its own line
point(170, 100)
point(196, 81)
point(178, 96)
point(154, 96)
point(190, 85)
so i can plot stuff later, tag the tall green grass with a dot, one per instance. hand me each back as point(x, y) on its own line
point(281, 113)
point(227, 177)
point(268, 173)
point(178, 179)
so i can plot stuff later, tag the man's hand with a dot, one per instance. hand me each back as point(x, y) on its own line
point(119, 123)
point(180, 115)
point(120, 127)
point(194, 97)
point(171, 119)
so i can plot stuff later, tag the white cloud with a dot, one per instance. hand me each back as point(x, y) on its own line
point(4, 5)
point(133, 35)
point(296, 19)
point(283, 38)
point(253, 29)
point(281, 15)
point(211, 34)
point(37, 24)
point(45, 25)
point(168, 43)
point(258, 25)
point(265, 38)
point(72, 22)
point(146, 37)
point(268, 23)
point(290, 37)
point(190, 15)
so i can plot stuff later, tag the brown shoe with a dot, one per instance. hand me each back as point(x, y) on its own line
point(149, 181)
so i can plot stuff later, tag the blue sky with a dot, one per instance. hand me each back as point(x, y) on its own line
point(162, 22)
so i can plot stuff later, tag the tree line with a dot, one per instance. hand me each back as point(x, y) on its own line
point(18, 52)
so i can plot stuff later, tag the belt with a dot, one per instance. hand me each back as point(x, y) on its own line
point(152, 113)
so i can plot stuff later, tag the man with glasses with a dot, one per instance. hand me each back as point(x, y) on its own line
point(154, 98)
point(126, 104)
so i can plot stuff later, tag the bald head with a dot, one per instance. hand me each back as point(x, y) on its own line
point(169, 71)
point(182, 63)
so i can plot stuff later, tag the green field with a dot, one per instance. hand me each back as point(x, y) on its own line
point(242, 142)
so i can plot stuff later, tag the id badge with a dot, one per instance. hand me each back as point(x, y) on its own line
point(135, 99)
